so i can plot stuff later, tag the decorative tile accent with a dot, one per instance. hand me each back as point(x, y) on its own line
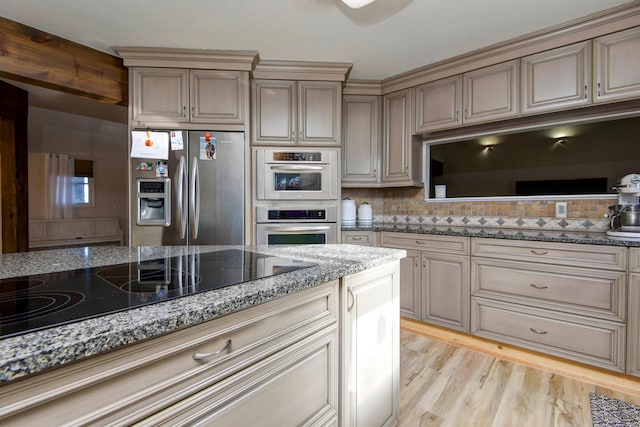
point(482, 221)
point(563, 224)
point(520, 222)
point(541, 222)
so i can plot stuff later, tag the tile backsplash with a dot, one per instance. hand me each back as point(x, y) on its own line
point(407, 205)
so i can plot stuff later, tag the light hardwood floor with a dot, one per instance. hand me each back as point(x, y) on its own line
point(446, 385)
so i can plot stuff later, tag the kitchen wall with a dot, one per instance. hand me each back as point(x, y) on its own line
point(104, 142)
point(407, 205)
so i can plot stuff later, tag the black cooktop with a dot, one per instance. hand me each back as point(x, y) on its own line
point(30, 303)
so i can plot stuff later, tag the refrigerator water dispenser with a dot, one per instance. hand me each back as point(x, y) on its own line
point(154, 201)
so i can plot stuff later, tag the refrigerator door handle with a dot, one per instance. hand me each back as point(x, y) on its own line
point(181, 203)
point(194, 199)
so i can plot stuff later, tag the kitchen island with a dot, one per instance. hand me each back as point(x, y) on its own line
point(216, 355)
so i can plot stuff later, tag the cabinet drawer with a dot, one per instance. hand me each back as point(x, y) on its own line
point(592, 341)
point(423, 242)
point(634, 260)
point(268, 393)
point(365, 238)
point(147, 377)
point(599, 293)
point(569, 254)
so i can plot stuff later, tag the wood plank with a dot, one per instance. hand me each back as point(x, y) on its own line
point(35, 57)
point(448, 385)
point(13, 168)
point(599, 377)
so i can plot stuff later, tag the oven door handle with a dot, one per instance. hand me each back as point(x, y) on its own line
point(286, 229)
point(296, 168)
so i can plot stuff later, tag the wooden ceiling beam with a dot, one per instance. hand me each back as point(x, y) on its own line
point(42, 59)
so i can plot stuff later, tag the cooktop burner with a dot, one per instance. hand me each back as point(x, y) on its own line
point(36, 302)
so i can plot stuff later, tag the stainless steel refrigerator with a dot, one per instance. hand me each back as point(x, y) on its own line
point(195, 197)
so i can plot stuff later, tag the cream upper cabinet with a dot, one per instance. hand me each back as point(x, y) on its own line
point(360, 140)
point(290, 112)
point(400, 156)
point(218, 96)
point(159, 94)
point(479, 96)
point(491, 93)
point(172, 95)
point(557, 79)
point(617, 66)
point(438, 104)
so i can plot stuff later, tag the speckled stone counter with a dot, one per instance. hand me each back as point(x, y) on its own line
point(36, 351)
point(585, 237)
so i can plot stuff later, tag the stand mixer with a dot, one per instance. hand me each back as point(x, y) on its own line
point(625, 216)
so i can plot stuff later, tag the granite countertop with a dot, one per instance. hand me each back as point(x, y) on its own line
point(36, 351)
point(569, 236)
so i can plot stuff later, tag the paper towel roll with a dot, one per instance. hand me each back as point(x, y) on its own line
point(348, 213)
point(365, 215)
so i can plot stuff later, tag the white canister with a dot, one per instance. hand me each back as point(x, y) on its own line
point(348, 213)
point(365, 215)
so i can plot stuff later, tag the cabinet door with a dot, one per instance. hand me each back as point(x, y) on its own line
point(273, 111)
point(159, 95)
point(446, 291)
point(556, 79)
point(360, 140)
point(617, 65)
point(491, 93)
point(371, 347)
point(410, 285)
point(633, 328)
point(396, 154)
point(319, 113)
point(218, 96)
point(438, 105)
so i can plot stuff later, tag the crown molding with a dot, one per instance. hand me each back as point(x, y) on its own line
point(300, 70)
point(362, 87)
point(240, 60)
point(591, 26)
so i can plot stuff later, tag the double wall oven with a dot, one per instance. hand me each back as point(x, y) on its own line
point(297, 194)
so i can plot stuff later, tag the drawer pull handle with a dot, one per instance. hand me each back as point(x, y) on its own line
point(356, 238)
point(353, 299)
point(533, 285)
point(420, 242)
point(535, 331)
point(202, 356)
point(533, 251)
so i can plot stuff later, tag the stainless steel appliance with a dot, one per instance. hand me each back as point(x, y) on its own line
point(195, 197)
point(315, 224)
point(625, 215)
point(303, 174)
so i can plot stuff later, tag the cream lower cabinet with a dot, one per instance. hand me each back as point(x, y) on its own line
point(435, 278)
point(273, 364)
point(567, 300)
point(360, 237)
point(370, 344)
point(633, 322)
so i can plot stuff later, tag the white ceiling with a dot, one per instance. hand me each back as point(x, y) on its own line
point(383, 39)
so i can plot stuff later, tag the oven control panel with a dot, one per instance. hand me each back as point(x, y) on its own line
point(282, 214)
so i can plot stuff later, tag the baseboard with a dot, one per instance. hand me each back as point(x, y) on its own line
point(600, 377)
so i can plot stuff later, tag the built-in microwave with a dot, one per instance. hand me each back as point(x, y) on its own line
point(297, 174)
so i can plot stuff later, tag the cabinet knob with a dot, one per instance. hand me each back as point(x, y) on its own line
point(585, 91)
point(598, 88)
point(375, 173)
